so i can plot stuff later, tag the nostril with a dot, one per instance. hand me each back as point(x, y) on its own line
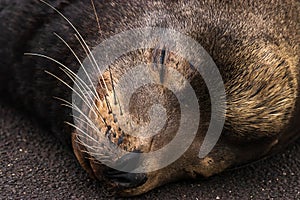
point(125, 180)
point(121, 177)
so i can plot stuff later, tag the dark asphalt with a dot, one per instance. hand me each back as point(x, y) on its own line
point(34, 164)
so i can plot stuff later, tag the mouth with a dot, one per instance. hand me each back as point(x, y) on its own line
point(116, 179)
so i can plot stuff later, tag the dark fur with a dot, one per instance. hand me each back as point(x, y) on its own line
point(255, 44)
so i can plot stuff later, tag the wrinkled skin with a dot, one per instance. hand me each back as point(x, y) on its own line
point(254, 44)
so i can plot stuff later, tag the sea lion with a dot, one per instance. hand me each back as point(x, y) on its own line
point(254, 44)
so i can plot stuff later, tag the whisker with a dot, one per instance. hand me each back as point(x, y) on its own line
point(96, 68)
point(90, 125)
point(103, 158)
point(83, 132)
point(77, 109)
point(97, 153)
point(94, 63)
point(47, 57)
point(70, 87)
point(83, 91)
point(87, 145)
point(89, 57)
point(89, 122)
point(72, 90)
point(99, 150)
point(92, 106)
point(81, 38)
point(62, 81)
point(98, 98)
point(96, 15)
point(68, 104)
point(105, 97)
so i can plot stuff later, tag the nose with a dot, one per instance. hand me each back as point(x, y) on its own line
point(120, 178)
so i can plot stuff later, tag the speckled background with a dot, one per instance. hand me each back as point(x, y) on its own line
point(34, 164)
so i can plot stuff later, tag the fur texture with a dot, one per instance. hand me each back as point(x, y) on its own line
point(255, 45)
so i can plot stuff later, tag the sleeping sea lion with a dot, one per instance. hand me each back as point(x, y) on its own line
point(254, 45)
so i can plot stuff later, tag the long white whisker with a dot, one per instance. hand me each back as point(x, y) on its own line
point(89, 57)
point(96, 93)
point(66, 84)
point(86, 117)
point(79, 129)
point(105, 158)
point(106, 100)
point(78, 110)
point(92, 106)
point(93, 127)
point(93, 61)
point(94, 148)
point(62, 81)
point(88, 121)
point(90, 125)
point(87, 145)
point(82, 90)
point(80, 36)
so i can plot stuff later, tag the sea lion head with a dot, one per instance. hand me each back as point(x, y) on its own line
point(114, 143)
point(259, 67)
point(116, 139)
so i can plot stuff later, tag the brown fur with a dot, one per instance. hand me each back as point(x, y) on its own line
point(255, 45)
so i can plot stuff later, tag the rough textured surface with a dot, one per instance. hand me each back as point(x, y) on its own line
point(33, 164)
